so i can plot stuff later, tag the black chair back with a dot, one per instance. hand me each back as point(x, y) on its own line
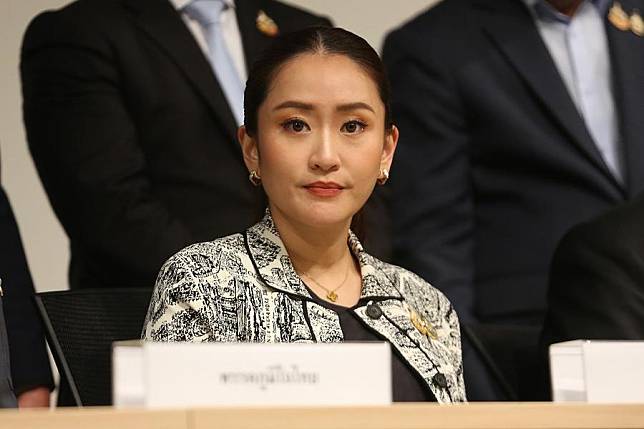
point(510, 354)
point(80, 326)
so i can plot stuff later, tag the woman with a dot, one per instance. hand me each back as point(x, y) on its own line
point(317, 137)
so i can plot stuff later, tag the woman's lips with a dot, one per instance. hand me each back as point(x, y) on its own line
point(324, 189)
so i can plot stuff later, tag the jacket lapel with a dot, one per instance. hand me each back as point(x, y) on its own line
point(511, 28)
point(271, 259)
point(163, 24)
point(375, 283)
point(627, 60)
point(430, 358)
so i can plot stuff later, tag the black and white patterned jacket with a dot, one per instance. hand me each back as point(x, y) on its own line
point(244, 288)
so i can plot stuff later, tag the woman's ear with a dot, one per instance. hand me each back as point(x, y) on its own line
point(389, 148)
point(249, 149)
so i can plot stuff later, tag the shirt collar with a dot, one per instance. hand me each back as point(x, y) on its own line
point(544, 10)
point(180, 4)
point(274, 265)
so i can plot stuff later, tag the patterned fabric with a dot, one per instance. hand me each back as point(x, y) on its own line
point(243, 288)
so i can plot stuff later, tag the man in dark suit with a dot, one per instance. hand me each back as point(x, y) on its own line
point(518, 119)
point(131, 131)
point(597, 279)
point(30, 370)
point(7, 397)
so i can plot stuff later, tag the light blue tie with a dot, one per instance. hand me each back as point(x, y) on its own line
point(208, 13)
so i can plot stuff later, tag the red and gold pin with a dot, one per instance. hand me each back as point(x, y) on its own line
point(619, 18)
point(266, 25)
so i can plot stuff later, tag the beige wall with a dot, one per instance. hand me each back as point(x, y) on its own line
point(372, 19)
point(45, 242)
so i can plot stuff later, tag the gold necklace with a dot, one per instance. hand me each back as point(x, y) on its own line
point(330, 293)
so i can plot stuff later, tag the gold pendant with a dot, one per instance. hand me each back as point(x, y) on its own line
point(266, 25)
point(619, 18)
point(332, 296)
point(637, 24)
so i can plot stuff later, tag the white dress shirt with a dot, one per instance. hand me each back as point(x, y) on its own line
point(579, 47)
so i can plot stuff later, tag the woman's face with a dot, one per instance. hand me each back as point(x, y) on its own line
point(321, 141)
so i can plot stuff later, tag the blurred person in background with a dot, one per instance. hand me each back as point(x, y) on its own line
point(7, 395)
point(597, 279)
point(131, 109)
point(31, 377)
point(522, 118)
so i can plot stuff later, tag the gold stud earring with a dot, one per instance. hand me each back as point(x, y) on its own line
point(384, 176)
point(254, 178)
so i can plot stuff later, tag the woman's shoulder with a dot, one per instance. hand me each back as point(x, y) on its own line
point(229, 244)
point(205, 257)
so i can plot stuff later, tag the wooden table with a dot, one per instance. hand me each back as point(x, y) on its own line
point(398, 416)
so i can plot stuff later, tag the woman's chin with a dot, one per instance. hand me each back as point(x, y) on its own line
point(324, 215)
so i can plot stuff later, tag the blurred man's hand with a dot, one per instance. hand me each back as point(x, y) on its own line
point(37, 397)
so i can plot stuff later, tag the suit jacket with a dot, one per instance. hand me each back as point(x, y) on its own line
point(29, 361)
point(131, 134)
point(244, 288)
point(597, 279)
point(7, 397)
point(495, 163)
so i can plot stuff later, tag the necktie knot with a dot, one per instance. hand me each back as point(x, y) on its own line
point(205, 12)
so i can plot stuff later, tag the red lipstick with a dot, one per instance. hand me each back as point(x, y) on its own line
point(324, 189)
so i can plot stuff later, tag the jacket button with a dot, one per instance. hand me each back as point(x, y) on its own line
point(374, 311)
point(439, 380)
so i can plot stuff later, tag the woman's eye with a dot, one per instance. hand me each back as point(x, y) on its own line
point(353, 127)
point(295, 125)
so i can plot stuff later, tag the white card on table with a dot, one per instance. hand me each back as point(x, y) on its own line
point(597, 371)
point(212, 374)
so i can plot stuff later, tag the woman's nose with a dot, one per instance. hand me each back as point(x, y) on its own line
point(324, 153)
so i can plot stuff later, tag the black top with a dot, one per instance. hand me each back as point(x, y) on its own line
point(407, 385)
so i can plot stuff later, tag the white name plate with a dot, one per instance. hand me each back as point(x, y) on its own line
point(246, 374)
point(597, 371)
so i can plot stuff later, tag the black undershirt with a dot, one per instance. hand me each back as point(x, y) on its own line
point(407, 385)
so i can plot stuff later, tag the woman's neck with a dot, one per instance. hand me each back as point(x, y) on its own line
point(322, 258)
point(313, 249)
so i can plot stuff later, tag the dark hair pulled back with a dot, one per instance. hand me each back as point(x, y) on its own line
point(312, 40)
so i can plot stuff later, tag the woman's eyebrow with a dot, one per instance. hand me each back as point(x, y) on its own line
point(293, 105)
point(355, 106)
